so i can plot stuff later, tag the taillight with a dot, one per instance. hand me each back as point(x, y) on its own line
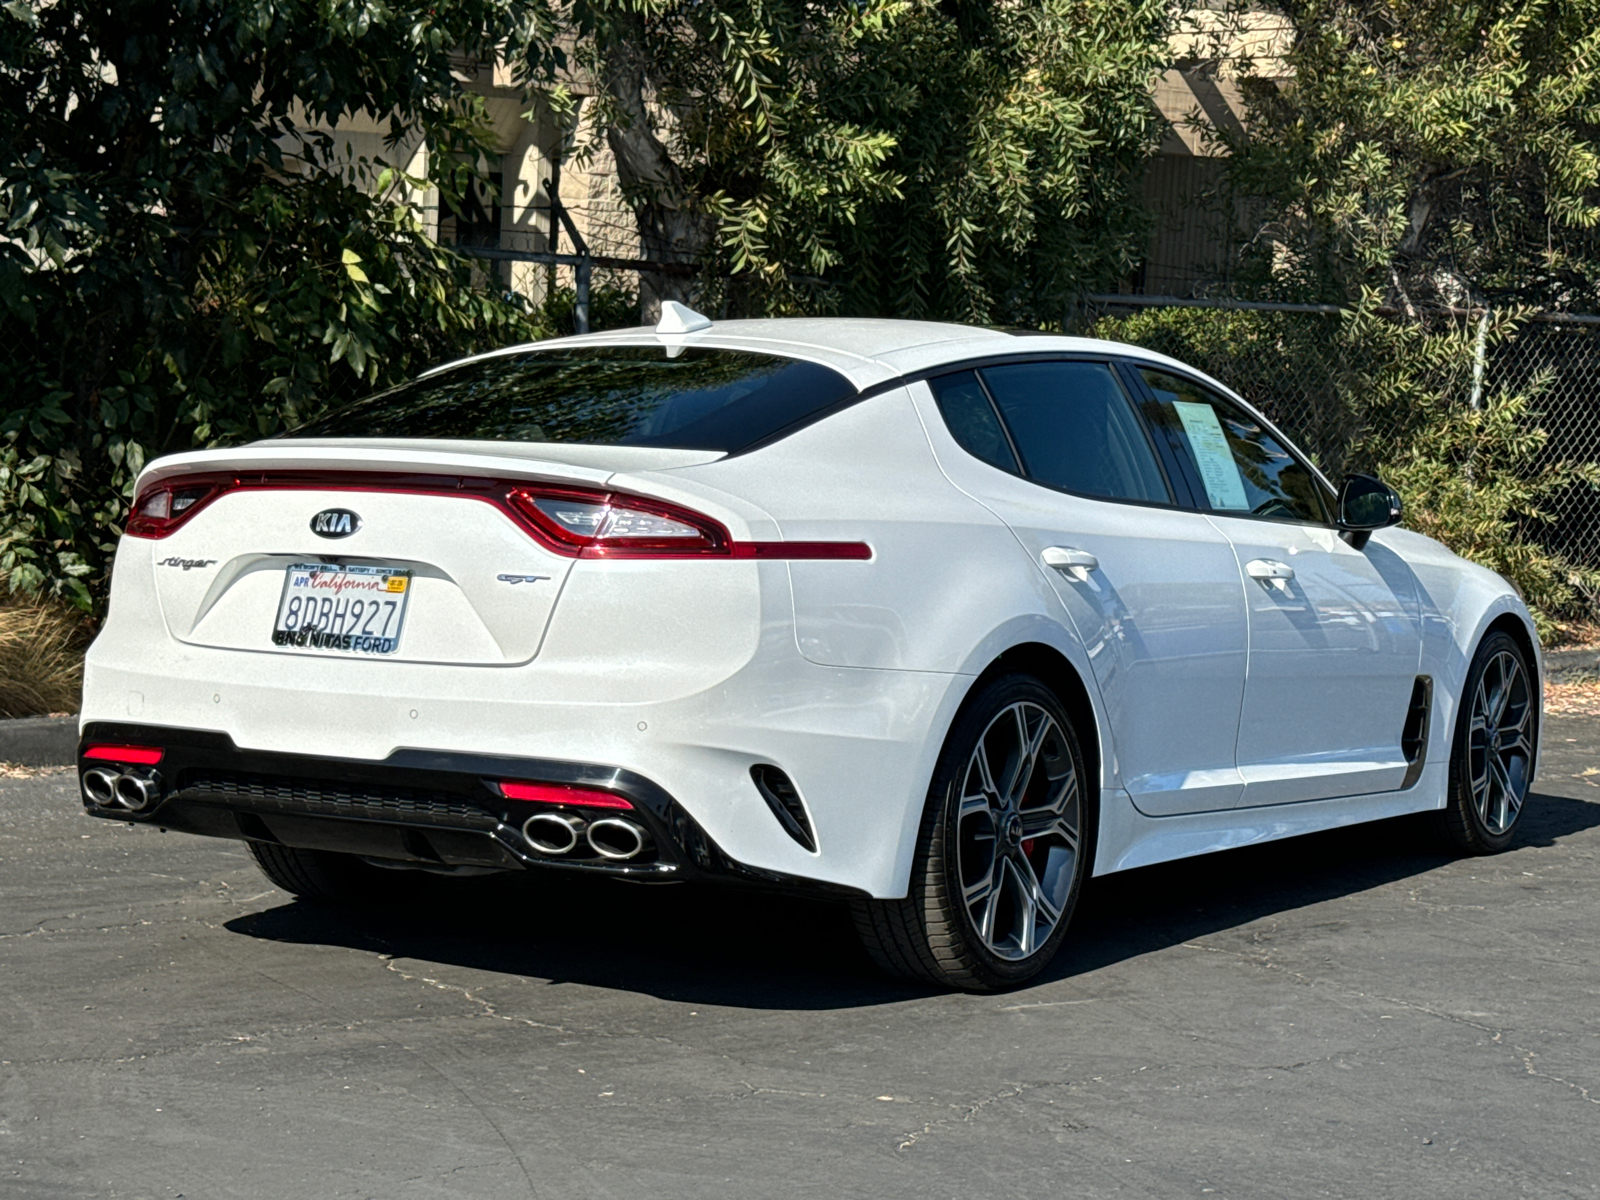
point(576, 522)
point(162, 509)
point(609, 525)
point(554, 793)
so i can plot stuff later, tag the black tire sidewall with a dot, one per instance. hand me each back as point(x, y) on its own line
point(944, 798)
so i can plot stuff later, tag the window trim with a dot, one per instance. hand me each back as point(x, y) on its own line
point(1005, 431)
point(1000, 419)
point(1131, 368)
point(978, 366)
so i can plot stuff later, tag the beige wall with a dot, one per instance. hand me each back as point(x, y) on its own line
point(1200, 98)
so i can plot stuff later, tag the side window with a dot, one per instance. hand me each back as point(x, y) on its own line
point(972, 420)
point(1076, 430)
point(1236, 464)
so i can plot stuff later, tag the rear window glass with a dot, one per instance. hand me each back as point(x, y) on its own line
point(699, 399)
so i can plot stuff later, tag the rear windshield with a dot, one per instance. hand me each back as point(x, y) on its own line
point(699, 399)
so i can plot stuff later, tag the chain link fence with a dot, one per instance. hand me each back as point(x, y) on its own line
point(1297, 364)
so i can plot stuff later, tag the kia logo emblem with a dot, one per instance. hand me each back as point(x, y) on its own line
point(335, 523)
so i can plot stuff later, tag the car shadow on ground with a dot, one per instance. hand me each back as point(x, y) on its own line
point(704, 944)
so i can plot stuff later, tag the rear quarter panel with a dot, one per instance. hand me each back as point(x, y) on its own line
point(945, 572)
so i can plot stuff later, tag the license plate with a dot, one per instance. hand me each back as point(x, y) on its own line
point(357, 610)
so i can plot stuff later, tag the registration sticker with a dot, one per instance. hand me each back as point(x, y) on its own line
point(344, 609)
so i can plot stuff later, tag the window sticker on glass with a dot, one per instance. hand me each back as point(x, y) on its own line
point(1218, 471)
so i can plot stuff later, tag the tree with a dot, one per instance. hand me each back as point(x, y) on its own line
point(1435, 166)
point(1441, 154)
point(975, 160)
point(190, 255)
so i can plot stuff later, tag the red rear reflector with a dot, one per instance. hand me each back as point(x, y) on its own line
point(550, 793)
point(142, 756)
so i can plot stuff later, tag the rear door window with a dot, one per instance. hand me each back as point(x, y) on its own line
point(1233, 463)
point(698, 398)
point(1075, 430)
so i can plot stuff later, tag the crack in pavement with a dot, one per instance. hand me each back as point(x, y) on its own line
point(40, 928)
point(489, 1010)
point(1496, 1033)
point(910, 1139)
point(1527, 1062)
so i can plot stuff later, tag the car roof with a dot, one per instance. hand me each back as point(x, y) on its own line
point(867, 351)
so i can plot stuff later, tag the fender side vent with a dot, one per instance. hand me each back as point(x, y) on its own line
point(779, 793)
point(1414, 735)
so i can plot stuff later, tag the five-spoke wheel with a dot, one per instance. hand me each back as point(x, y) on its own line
point(1002, 850)
point(1491, 763)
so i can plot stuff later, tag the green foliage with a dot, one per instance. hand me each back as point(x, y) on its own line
point(1443, 153)
point(1478, 482)
point(1479, 478)
point(190, 258)
point(974, 160)
point(612, 305)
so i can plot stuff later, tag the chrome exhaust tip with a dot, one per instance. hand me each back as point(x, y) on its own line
point(615, 838)
point(100, 787)
point(552, 833)
point(137, 793)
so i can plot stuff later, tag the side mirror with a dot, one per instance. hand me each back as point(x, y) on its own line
point(1366, 504)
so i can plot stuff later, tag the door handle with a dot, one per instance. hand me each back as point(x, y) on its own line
point(1065, 559)
point(1270, 570)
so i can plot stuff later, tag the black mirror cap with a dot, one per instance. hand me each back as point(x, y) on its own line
point(1366, 504)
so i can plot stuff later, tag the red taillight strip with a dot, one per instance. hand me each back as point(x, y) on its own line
point(142, 756)
point(551, 793)
point(511, 498)
point(855, 551)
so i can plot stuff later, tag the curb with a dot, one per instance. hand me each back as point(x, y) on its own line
point(39, 741)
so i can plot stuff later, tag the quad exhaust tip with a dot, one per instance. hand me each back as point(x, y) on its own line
point(554, 834)
point(107, 788)
point(100, 786)
point(615, 838)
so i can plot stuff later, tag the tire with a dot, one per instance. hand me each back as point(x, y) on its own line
point(997, 850)
point(323, 876)
point(1492, 755)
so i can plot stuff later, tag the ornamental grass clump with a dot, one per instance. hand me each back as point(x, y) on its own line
point(41, 659)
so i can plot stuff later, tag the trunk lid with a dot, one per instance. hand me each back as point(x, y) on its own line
point(477, 587)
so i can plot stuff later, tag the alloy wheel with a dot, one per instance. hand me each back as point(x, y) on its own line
point(1018, 827)
point(1500, 742)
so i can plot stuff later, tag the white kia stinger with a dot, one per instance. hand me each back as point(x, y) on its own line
point(939, 620)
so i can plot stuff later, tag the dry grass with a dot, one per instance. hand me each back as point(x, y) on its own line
point(1572, 680)
point(1572, 699)
point(11, 770)
point(41, 659)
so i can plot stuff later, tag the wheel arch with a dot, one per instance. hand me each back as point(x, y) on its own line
point(1056, 672)
point(1513, 624)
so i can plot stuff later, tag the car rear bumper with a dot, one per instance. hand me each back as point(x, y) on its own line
point(415, 808)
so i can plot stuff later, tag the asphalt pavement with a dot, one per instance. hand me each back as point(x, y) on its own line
point(1352, 1014)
